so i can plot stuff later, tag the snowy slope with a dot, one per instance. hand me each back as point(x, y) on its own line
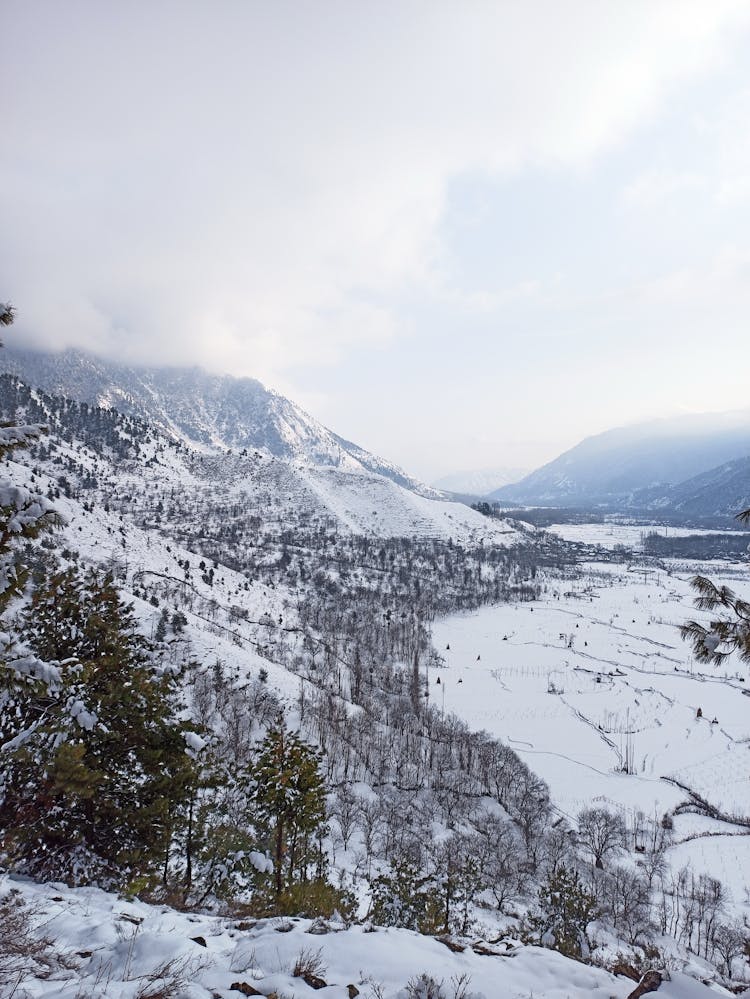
point(346, 497)
point(208, 411)
point(378, 506)
point(722, 491)
point(123, 949)
point(593, 680)
point(480, 481)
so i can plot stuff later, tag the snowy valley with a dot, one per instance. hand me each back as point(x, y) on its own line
point(474, 687)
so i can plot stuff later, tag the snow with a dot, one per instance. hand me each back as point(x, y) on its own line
point(594, 677)
point(195, 742)
point(374, 505)
point(20, 661)
point(610, 534)
point(118, 945)
point(86, 719)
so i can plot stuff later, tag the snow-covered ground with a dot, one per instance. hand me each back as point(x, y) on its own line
point(593, 679)
point(610, 535)
point(118, 949)
point(376, 506)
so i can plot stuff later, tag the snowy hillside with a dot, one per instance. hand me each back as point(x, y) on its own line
point(481, 481)
point(607, 468)
point(276, 489)
point(724, 490)
point(207, 411)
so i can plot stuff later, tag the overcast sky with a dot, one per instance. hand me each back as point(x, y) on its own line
point(461, 234)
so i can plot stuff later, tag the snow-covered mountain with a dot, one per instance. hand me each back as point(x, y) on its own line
point(207, 411)
point(719, 492)
point(608, 468)
point(251, 486)
point(480, 481)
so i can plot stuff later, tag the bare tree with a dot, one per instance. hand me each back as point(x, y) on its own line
point(501, 856)
point(628, 901)
point(345, 808)
point(730, 940)
point(601, 832)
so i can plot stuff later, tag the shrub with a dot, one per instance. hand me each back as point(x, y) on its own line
point(311, 899)
point(565, 909)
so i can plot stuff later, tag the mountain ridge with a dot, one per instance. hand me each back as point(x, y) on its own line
point(610, 468)
point(208, 411)
point(720, 491)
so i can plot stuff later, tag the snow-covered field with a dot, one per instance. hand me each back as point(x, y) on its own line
point(610, 535)
point(118, 949)
point(593, 680)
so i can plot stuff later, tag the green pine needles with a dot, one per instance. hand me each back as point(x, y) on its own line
point(92, 790)
point(290, 799)
point(564, 910)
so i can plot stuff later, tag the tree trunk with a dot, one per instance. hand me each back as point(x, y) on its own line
point(279, 854)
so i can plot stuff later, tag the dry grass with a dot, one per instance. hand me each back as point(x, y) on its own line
point(167, 980)
point(24, 951)
point(309, 964)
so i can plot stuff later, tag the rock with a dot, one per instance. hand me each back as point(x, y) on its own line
point(199, 940)
point(626, 970)
point(244, 988)
point(352, 991)
point(314, 981)
point(484, 950)
point(649, 983)
point(453, 945)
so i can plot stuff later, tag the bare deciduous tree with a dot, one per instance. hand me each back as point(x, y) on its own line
point(601, 832)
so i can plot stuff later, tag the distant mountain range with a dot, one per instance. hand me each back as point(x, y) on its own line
point(207, 411)
point(721, 491)
point(480, 481)
point(697, 465)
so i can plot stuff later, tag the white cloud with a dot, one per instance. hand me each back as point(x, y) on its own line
point(653, 187)
point(236, 183)
point(720, 284)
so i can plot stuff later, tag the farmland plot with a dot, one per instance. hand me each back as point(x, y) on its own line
point(594, 688)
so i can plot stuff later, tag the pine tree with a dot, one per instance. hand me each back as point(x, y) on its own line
point(24, 515)
point(106, 767)
point(565, 909)
point(729, 632)
point(402, 896)
point(217, 837)
point(290, 797)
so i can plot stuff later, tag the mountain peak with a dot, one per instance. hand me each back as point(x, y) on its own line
point(207, 411)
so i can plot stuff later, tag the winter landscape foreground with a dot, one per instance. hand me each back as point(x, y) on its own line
point(519, 781)
point(125, 949)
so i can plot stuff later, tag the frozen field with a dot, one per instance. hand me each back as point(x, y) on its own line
point(629, 535)
point(594, 688)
